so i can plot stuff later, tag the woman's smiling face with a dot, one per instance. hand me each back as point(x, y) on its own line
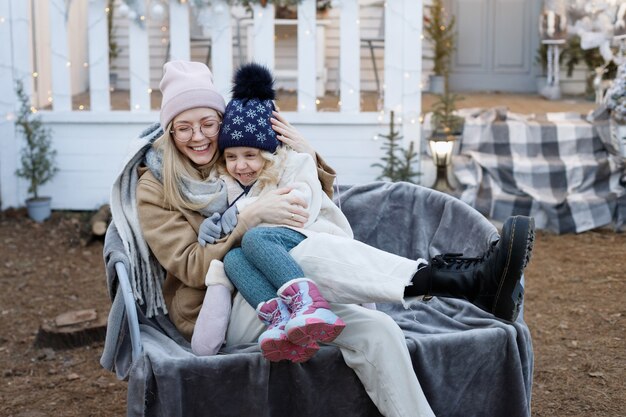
point(244, 163)
point(200, 149)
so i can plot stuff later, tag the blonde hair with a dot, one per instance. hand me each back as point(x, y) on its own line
point(270, 173)
point(177, 166)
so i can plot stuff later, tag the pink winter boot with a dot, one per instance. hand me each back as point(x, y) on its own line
point(273, 341)
point(311, 319)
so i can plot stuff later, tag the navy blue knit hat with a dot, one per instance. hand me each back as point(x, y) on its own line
point(247, 117)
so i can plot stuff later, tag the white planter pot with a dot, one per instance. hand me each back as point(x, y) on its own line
point(39, 209)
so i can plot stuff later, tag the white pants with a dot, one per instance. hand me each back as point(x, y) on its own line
point(372, 345)
point(348, 271)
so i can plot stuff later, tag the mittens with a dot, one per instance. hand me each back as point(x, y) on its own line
point(209, 230)
point(229, 219)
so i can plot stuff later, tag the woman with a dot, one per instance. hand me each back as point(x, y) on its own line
point(371, 344)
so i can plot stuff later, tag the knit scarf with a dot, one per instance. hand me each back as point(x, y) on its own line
point(210, 193)
point(145, 273)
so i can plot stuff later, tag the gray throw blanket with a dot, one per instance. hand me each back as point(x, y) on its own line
point(467, 362)
point(560, 169)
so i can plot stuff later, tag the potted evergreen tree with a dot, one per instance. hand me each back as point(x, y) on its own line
point(440, 32)
point(37, 156)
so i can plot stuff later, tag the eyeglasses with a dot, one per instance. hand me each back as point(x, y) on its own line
point(184, 133)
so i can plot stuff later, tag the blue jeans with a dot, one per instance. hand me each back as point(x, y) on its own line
point(263, 264)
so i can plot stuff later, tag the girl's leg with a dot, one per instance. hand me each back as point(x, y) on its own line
point(271, 310)
point(311, 318)
point(267, 248)
point(250, 282)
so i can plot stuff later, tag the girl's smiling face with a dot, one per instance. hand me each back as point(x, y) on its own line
point(200, 149)
point(244, 163)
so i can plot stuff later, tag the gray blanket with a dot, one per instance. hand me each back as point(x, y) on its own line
point(560, 169)
point(468, 363)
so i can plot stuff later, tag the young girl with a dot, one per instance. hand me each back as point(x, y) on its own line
point(253, 164)
point(269, 278)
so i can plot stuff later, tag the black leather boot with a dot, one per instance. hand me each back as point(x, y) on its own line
point(491, 281)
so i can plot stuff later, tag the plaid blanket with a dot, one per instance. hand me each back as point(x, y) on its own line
point(557, 168)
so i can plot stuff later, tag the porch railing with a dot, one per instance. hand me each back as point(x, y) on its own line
point(91, 143)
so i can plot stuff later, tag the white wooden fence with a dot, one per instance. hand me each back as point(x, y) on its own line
point(91, 144)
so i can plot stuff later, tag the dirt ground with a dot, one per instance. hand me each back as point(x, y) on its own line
point(575, 308)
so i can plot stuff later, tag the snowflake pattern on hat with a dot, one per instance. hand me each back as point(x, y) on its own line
point(247, 123)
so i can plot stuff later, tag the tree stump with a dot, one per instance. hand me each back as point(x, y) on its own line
point(100, 221)
point(72, 329)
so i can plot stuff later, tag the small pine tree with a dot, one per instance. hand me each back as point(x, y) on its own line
point(440, 31)
point(444, 121)
point(37, 156)
point(397, 167)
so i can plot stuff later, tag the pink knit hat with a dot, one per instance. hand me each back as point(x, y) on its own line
point(187, 85)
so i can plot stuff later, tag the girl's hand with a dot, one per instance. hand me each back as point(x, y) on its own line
point(277, 207)
point(290, 136)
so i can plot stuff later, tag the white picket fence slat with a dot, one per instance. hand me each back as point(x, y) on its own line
point(98, 56)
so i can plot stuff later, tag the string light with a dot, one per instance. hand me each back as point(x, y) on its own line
point(10, 116)
point(107, 10)
point(149, 91)
point(1, 19)
point(137, 106)
point(85, 64)
point(35, 74)
point(317, 101)
point(81, 107)
point(33, 109)
point(68, 64)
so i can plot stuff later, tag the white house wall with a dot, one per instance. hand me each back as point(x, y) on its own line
point(91, 148)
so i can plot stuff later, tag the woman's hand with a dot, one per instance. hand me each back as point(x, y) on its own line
point(276, 207)
point(289, 135)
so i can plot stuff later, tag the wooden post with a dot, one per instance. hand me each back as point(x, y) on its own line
point(15, 64)
point(394, 46)
point(263, 35)
point(222, 51)
point(349, 57)
point(179, 31)
point(98, 56)
point(412, 77)
point(307, 65)
point(139, 56)
point(60, 63)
